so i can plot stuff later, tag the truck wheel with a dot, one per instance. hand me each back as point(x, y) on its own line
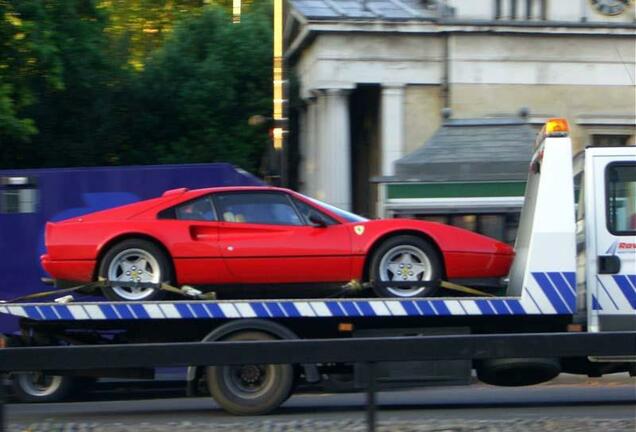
point(250, 389)
point(135, 260)
point(39, 387)
point(405, 258)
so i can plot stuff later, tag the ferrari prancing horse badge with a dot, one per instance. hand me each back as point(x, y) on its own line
point(359, 229)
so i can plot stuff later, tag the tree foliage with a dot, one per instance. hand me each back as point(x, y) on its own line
point(132, 81)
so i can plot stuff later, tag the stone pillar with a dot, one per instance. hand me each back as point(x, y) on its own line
point(392, 118)
point(333, 158)
point(308, 129)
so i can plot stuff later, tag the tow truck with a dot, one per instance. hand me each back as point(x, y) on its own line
point(574, 274)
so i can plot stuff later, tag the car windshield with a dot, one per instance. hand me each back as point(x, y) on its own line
point(349, 217)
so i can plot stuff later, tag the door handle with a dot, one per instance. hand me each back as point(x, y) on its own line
point(609, 264)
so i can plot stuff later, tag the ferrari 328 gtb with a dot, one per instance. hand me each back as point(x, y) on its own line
point(260, 236)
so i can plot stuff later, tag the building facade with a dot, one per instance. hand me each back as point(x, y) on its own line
point(375, 75)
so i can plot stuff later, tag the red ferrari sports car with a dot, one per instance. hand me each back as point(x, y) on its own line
point(257, 236)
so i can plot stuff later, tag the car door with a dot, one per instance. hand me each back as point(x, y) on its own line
point(194, 244)
point(264, 239)
point(614, 287)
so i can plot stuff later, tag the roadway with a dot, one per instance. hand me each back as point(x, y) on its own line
point(564, 404)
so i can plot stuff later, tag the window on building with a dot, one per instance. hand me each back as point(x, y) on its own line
point(531, 10)
point(610, 140)
point(501, 226)
point(621, 198)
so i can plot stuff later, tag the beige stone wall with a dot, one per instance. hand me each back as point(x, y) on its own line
point(572, 102)
point(422, 114)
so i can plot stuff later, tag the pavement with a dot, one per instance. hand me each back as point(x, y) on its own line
point(569, 403)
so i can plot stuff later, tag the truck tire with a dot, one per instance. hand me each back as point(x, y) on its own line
point(405, 258)
point(135, 260)
point(250, 389)
point(38, 387)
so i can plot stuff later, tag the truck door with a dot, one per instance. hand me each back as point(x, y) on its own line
point(612, 303)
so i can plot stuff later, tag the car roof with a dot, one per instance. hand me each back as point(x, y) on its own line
point(203, 191)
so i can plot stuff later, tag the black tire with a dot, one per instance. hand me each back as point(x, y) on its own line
point(37, 387)
point(417, 244)
point(163, 262)
point(274, 390)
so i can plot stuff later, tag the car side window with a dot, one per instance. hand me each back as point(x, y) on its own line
point(257, 207)
point(306, 211)
point(200, 209)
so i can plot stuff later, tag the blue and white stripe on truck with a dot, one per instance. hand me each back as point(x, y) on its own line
point(550, 293)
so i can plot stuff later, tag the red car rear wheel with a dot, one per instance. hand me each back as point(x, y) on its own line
point(135, 260)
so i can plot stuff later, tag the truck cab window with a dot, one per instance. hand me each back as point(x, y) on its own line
point(621, 198)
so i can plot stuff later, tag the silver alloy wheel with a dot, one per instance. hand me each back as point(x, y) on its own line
point(134, 265)
point(249, 381)
point(405, 263)
point(37, 384)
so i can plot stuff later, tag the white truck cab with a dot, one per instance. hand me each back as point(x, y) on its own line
point(605, 179)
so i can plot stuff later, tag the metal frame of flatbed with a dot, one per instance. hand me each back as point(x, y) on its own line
point(368, 351)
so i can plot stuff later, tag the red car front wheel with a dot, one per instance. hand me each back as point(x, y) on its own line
point(405, 258)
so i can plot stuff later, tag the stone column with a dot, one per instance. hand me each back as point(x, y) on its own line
point(308, 149)
point(392, 118)
point(333, 179)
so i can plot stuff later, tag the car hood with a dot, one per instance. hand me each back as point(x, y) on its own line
point(448, 237)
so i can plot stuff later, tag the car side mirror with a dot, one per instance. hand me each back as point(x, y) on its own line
point(317, 220)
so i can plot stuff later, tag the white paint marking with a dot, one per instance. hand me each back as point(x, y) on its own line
point(153, 311)
point(396, 308)
point(471, 307)
point(245, 310)
point(379, 308)
point(454, 307)
point(170, 311)
point(94, 312)
point(321, 309)
point(78, 312)
point(17, 310)
point(229, 311)
point(305, 309)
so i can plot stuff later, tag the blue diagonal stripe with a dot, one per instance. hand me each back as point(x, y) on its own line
point(626, 288)
point(290, 309)
point(500, 307)
point(485, 307)
point(441, 308)
point(199, 310)
point(426, 308)
point(64, 313)
point(139, 311)
point(275, 310)
point(564, 289)
point(515, 306)
point(123, 311)
point(184, 310)
point(595, 304)
point(571, 278)
point(410, 308)
point(33, 312)
point(334, 308)
point(366, 308)
point(108, 311)
point(551, 293)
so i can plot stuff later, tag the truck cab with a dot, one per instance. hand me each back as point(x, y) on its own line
point(605, 185)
